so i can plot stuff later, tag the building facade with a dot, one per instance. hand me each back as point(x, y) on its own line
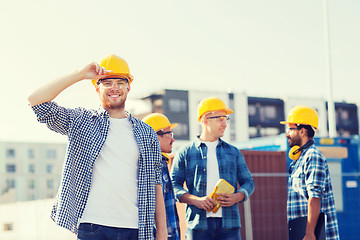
point(29, 170)
point(253, 116)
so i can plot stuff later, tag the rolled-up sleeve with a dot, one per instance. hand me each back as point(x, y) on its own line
point(245, 179)
point(54, 116)
point(315, 175)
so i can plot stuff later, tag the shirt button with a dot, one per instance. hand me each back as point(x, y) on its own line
point(205, 157)
point(204, 170)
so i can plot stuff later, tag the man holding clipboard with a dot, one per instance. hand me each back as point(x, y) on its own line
point(211, 215)
point(310, 204)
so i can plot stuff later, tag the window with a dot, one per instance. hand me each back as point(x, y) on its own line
point(269, 131)
point(10, 153)
point(8, 227)
point(344, 133)
point(31, 153)
point(267, 112)
point(50, 184)
point(270, 112)
point(177, 105)
point(31, 168)
point(344, 115)
point(10, 183)
point(49, 168)
point(50, 195)
point(253, 132)
point(51, 154)
point(10, 168)
point(180, 130)
point(31, 184)
point(31, 197)
point(252, 110)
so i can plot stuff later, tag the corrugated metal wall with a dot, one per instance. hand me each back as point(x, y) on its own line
point(268, 202)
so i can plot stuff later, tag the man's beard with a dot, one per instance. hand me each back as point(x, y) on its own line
point(294, 142)
point(113, 106)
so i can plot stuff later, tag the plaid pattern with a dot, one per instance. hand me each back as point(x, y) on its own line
point(87, 132)
point(172, 218)
point(190, 165)
point(310, 177)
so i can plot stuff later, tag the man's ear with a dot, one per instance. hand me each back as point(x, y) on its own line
point(204, 119)
point(303, 132)
point(97, 88)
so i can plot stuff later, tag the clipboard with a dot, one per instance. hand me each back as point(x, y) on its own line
point(297, 228)
point(222, 186)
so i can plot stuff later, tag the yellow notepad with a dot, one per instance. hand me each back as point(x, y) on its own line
point(222, 186)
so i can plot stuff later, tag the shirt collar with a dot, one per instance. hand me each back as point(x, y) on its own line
point(198, 142)
point(102, 112)
point(165, 156)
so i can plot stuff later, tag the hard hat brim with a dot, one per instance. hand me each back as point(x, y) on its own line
point(174, 125)
point(112, 75)
point(229, 111)
point(284, 122)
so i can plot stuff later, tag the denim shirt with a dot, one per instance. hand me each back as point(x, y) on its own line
point(87, 132)
point(190, 166)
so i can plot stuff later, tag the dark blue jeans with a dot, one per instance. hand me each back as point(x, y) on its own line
point(214, 232)
point(90, 231)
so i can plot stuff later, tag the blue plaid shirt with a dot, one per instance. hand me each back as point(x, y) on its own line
point(190, 166)
point(172, 218)
point(310, 177)
point(87, 132)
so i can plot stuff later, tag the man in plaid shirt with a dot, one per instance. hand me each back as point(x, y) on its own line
point(309, 186)
point(111, 181)
point(201, 164)
point(162, 126)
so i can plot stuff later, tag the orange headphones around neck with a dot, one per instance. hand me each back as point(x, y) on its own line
point(295, 151)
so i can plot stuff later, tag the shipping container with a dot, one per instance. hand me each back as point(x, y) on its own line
point(342, 155)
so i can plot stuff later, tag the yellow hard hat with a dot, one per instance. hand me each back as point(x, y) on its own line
point(212, 104)
point(158, 121)
point(303, 115)
point(118, 66)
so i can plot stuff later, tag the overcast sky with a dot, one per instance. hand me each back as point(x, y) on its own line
point(266, 48)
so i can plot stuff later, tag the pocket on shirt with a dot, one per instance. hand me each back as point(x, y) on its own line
point(298, 184)
point(229, 164)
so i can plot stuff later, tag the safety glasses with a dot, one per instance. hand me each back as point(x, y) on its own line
point(169, 133)
point(220, 118)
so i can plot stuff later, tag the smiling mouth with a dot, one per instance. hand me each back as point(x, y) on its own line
point(114, 95)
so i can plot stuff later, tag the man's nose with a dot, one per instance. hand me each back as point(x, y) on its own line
point(115, 85)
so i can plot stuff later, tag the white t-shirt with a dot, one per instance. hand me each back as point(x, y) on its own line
point(113, 194)
point(212, 173)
